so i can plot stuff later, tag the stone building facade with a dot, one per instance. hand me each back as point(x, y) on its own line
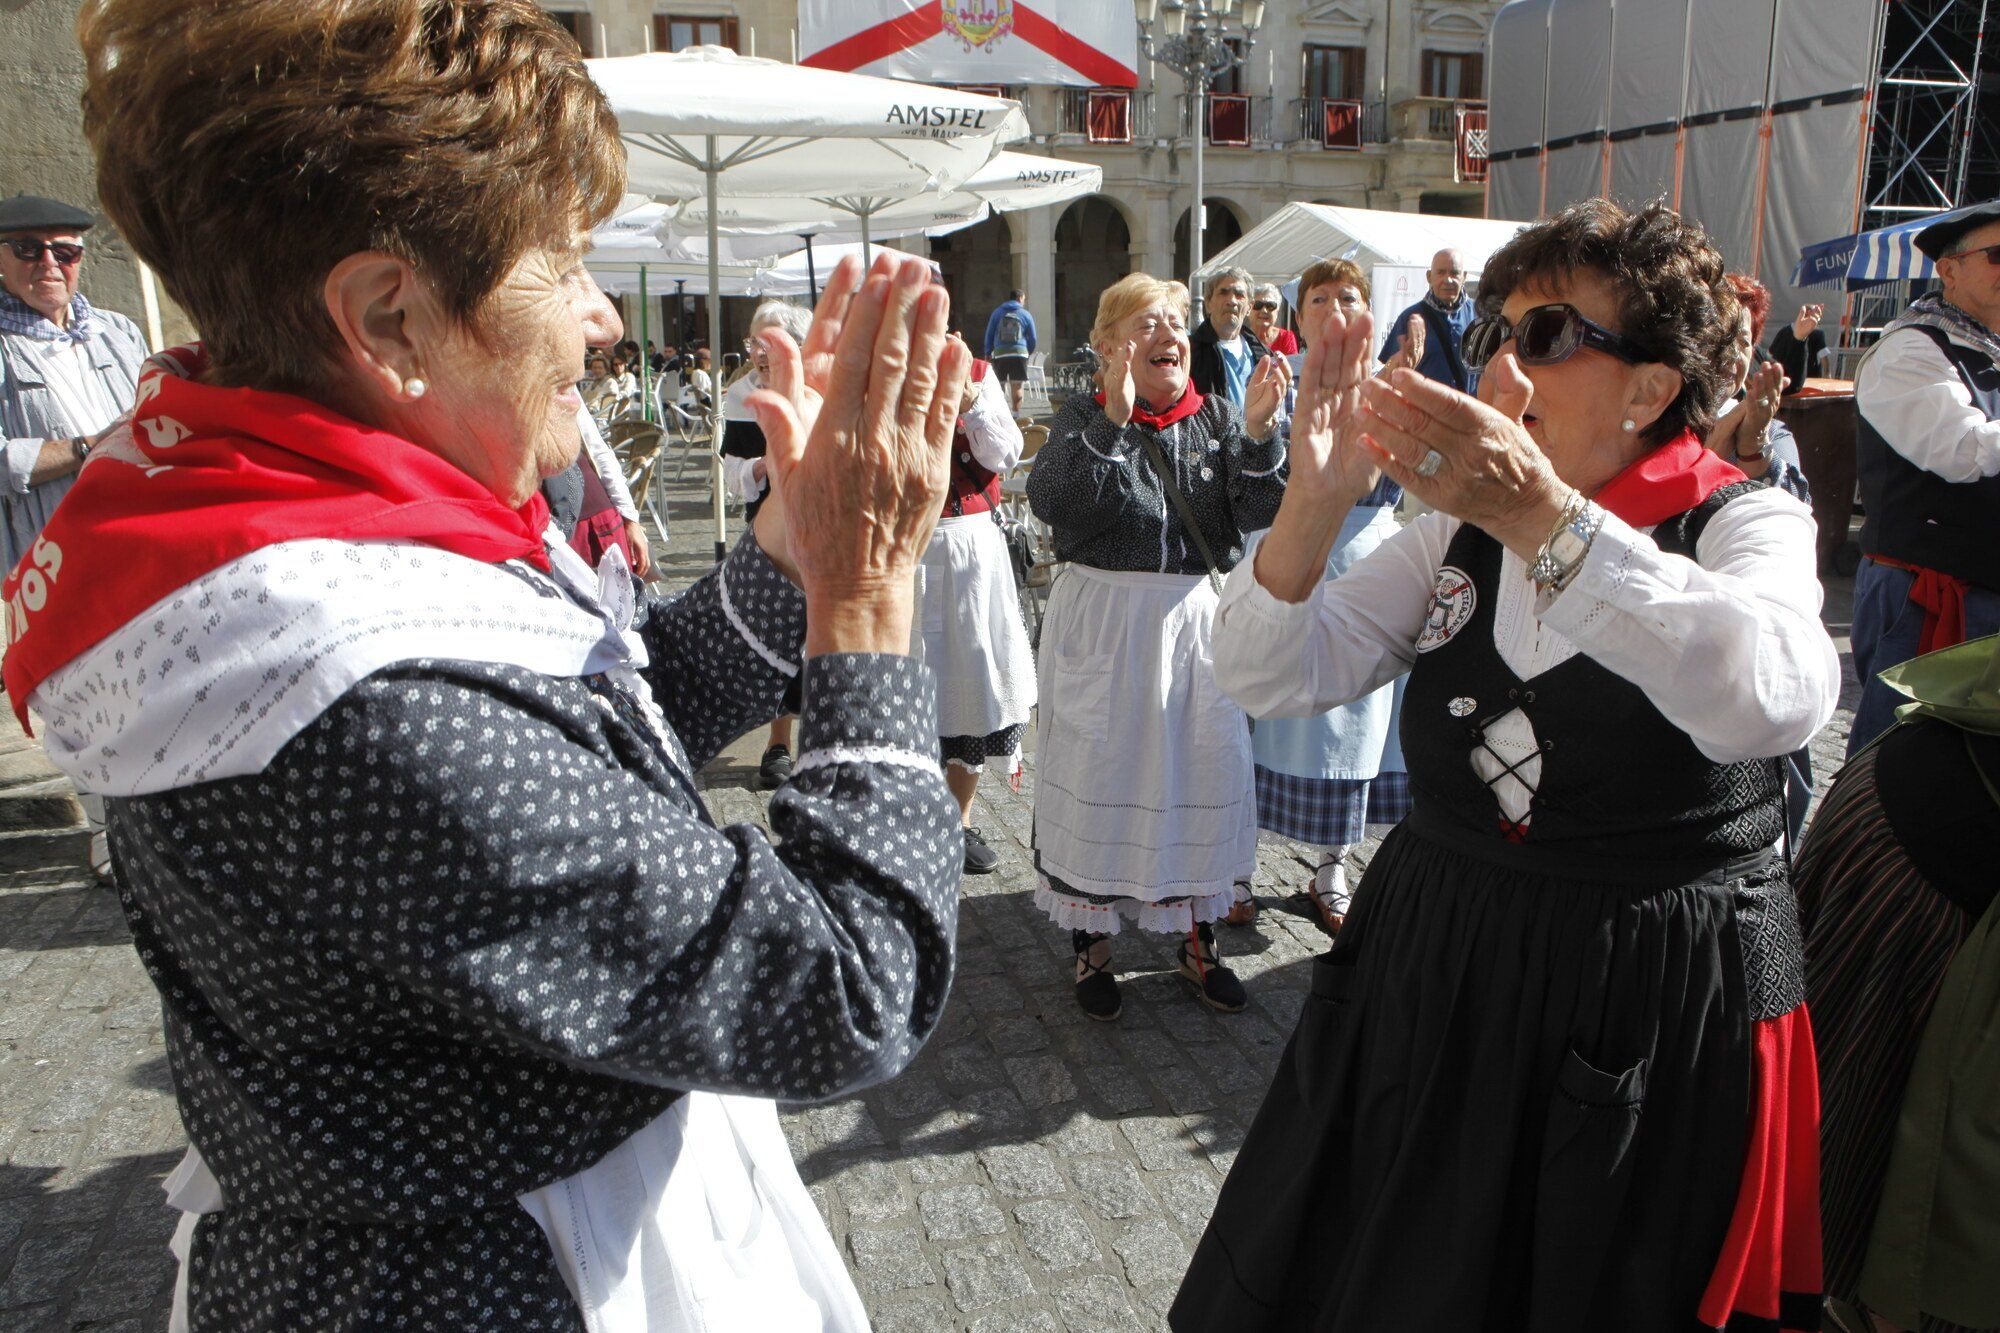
point(1355, 102)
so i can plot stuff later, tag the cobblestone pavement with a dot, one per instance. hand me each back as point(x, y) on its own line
point(1033, 1170)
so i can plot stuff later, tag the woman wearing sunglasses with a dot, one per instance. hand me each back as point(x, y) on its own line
point(1555, 1072)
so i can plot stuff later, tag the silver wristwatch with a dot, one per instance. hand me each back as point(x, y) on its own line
point(1568, 542)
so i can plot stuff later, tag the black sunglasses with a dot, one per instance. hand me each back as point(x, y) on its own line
point(29, 250)
point(1992, 253)
point(1544, 336)
point(1263, 305)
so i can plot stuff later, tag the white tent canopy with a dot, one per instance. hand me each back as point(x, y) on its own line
point(707, 124)
point(1280, 247)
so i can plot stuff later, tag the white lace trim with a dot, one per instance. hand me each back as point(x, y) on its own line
point(762, 649)
point(1110, 918)
point(864, 754)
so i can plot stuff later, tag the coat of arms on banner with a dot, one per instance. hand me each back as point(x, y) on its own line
point(978, 23)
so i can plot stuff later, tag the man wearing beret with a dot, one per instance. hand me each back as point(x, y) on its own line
point(1928, 447)
point(67, 369)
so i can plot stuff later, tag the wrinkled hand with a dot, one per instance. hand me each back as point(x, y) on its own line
point(1761, 396)
point(1328, 465)
point(1492, 474)
point(1411, 353)
point(863, 483)
point(1807, 320)
point(1266, 396)
point(1119, 395)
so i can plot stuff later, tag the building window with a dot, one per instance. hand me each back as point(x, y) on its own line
point(1230, 80)
point(677, 32)
point(577, 24)
point(1334, 72)
point(1459, 75)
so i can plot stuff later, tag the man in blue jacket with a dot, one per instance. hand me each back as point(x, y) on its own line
point(1446, 311)
point(1010, 341)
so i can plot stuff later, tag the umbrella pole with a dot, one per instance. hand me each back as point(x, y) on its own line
point(645, 366)
point(867, 254)
point(715, 359)
point(812, 276)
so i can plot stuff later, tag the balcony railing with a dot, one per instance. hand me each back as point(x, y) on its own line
point(1235, 120)
point(1340, 124)
point(1469, 159)
point(1106, 115)
point(1434, 119)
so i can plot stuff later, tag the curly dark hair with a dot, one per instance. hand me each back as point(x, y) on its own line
point(1671, 291)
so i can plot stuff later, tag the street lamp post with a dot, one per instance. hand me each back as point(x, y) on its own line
point(1195, 41)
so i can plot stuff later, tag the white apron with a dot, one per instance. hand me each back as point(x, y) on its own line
point(1143, 789)
point(968, 629)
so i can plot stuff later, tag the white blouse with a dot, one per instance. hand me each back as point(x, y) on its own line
point(1729, 649)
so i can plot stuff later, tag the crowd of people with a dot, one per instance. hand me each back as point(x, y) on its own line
point(476, 1016)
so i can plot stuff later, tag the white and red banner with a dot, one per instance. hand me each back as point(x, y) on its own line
point(1082, 43)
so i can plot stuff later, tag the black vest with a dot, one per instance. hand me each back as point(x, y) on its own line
point(1622, 790)
point(1918, 517)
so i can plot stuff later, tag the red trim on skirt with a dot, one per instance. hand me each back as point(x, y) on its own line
point(1768, 1275)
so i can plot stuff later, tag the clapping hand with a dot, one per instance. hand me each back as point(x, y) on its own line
point(861, 474)
point(1265, 396)
point(1411, 353)
point(1119, 395)
point(1488, 470)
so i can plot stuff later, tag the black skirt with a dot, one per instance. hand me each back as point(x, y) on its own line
point(1513, 1100)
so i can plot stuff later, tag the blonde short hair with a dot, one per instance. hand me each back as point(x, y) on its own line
point(1131, 294)
point(1323, 271)
point(794, 319)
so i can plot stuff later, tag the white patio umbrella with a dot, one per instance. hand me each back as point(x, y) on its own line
point(706, 124)
point(796, 274)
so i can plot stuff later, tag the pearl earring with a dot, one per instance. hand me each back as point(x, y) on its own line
point(1628, 424)
point(414, 388)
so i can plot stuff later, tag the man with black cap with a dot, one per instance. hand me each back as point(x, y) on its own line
point(67, 371)
point(67, 368)
point(1928, 447)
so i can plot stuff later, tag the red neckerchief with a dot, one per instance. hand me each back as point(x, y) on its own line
point(1189, 404)
point(200, 476)
point(1670, 480)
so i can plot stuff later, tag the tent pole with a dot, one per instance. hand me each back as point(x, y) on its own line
point(645, 369)
point(715, 360)
point(812, 276)
point(867, 253)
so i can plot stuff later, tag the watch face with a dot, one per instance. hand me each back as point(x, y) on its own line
point(1566, 546)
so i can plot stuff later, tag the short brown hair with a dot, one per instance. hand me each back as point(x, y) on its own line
point(245, 147)
point(1668, 278)
point(1322, 271)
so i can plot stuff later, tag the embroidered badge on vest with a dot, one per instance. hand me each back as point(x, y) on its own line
point(1452, 600)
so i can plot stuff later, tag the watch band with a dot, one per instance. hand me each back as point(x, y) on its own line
point(80, 446)
point(1563, 552)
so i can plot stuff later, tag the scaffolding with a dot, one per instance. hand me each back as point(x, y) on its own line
point(1928, 148)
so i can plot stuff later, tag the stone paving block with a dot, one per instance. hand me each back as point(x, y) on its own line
point(914, 1312)
point(46, 1265)
point(985, 1273)
point(960, 1212)
point(1164, 1143)
point(915, 1093)
point(1187, 1092)
point(889, 1259)
point(1016, 1034)
point(1074, 1131)
point(1097, 1303)
point(1056, 1235)
point(1112, 1186)
point(941, 1168)
point(1189, 1197)
point(1015, 1321)
point(968, 1065)
point(1022, 1170)
point(872, 1192)
point(1152, 1252)
point(995, 1111)
point(1116, 1089)
point(1154, 1302)
point(1041, 1080)
point(843, 1125)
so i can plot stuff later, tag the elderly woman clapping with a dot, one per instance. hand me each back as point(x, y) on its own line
point(1555, 1073)
point(473, 1012)
point(1145, 808)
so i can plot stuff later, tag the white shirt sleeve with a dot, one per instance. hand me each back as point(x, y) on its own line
point(608, 470)
point(1284, 659)
point(990, 426)
point(21, 456)
point(1730, 650)
point(1914, 397)
point(739, 476)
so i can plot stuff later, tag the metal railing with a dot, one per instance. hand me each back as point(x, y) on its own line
point(1235, 120)
point(1106, 115)
point(1339, 123)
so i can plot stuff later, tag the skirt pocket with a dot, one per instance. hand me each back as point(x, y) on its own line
point(1586, 1166)
point(1322, 1024)
point(1079, 697)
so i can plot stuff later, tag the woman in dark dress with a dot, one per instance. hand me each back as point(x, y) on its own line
point(476, 1017)
point(1555, 1073)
